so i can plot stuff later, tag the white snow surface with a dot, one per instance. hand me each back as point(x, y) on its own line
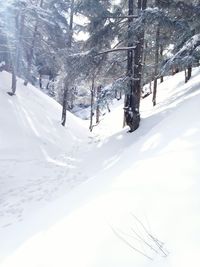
point(109, 199)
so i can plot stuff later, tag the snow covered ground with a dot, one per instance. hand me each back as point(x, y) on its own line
point(139, 204)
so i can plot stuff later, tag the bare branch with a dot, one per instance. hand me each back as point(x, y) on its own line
point(116, 50)
point(129, 244)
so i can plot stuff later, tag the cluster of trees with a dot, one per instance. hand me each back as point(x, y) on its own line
point(129, 43)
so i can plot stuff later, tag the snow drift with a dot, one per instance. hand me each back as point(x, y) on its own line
point(141, 207)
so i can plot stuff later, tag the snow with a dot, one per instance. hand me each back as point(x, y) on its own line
point(140, 193)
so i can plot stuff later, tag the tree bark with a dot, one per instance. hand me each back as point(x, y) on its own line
point(156, 65)
point(64, 106)
point(189, 72)
point(132, 99)
point(161, 56)
point(127, 104)
point(71, 24)
point(186, 76)
point(98, 104)
point(40, 80)
point(14, 82)
point(92, 105)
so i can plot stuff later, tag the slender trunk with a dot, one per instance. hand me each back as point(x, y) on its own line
point(189, 72)
point(98, 104)
point(186, 76)
point(92, 105)
point(20, 29)
point(150, 89)
point(144, 64)
point(14, 82)
point(40, 80)
point(156, 65)
point(116, 94)
point(120, 95)
point(161, 56)
point(71, 100)
point(71, 24)
point(138, 60)
point(64, 106)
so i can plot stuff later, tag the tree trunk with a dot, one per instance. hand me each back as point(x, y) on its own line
point(98, 104)
point(144, 64)
point(14, 82)
point(132, 100)
point(156, 65)
point(92, 105)
point(189, 72)
point(161, 56)
point(129, 107)
point(150, 89)
point(138, 64)
point(40, 80)
point(71, 24)
point(64, 106)
point(186, 76)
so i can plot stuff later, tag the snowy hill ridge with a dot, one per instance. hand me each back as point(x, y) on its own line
point(36, 152)
point(149, 178)
point(31, 114)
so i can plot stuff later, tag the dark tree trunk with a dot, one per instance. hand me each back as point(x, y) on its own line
point(186, 76)
point(71, 98)
point(71, 24)
point(189, 73)
point(127, 104)
point(92, 106)
point(132, 99)
point(14, 82)
point(64, 106)
point(40, 80)
point(161, 56)
point(156, 65)
point(98, 104)
point(144, 64)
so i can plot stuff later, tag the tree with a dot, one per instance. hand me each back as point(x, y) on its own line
point(134, 72)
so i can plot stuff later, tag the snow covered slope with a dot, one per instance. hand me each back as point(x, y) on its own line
point(37, 162)
point(141, 207)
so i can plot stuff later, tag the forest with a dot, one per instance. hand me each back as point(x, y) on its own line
point(85, 53)
point(99, 133)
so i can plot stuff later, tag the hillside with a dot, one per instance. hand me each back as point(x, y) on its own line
point(36, 153)
point(140, 203)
